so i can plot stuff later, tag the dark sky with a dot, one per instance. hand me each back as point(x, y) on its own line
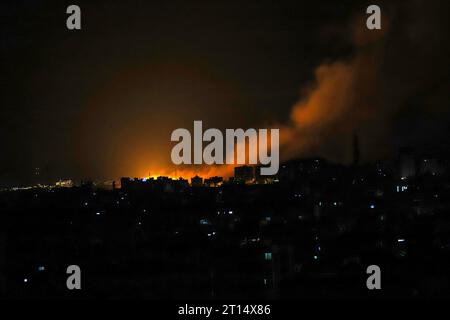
point(101, 102)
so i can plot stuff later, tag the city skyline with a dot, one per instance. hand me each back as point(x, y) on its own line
point(100, 102)
point(244, 154)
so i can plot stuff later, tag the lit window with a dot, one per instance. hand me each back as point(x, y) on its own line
point(268, 255)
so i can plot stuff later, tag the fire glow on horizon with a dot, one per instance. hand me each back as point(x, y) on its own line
point(224, 171)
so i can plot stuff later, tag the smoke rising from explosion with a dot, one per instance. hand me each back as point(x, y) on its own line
point(389, 87)
point(375, 88)
point(102, 103)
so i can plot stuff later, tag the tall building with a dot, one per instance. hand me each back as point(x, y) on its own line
point(244, 174)
point(261, 179)
point(430, 165)
point(407, 163)
point(196, 181)
point(356, 152)
point(213, 181)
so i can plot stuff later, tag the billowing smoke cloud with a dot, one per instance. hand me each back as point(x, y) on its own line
point(338, 105)
point(392, 81)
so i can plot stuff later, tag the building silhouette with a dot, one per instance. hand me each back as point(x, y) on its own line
point(244, 174)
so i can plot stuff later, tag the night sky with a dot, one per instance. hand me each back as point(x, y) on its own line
point(101, 102)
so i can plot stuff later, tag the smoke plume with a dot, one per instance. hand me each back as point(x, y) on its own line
point(375, 88)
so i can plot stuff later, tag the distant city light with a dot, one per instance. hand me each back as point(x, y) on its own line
point(402, 188)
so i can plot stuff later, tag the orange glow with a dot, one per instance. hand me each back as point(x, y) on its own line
point(225, 171)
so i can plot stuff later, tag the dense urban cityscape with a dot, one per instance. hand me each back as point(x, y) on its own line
point(310, 232)
point(202, 154)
